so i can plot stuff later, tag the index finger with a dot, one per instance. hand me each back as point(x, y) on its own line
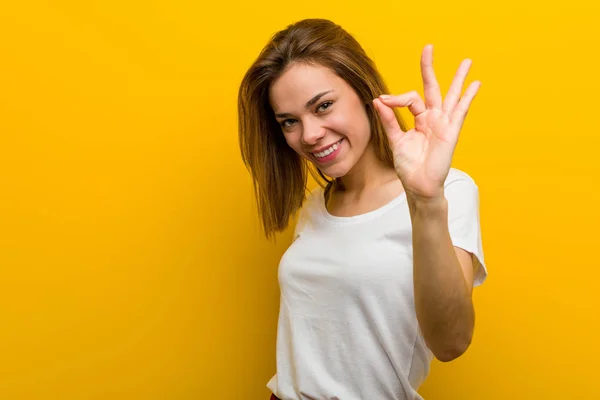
point(388, 119)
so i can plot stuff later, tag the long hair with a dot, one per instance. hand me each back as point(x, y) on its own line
point(280, 174)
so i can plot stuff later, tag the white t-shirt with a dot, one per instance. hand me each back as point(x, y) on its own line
point(347, 324)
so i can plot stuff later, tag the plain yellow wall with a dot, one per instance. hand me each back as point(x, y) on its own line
point(132, 265)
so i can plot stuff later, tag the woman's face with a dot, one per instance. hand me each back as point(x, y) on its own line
point(321, 117)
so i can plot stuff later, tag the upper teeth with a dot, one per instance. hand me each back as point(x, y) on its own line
point(328, 150)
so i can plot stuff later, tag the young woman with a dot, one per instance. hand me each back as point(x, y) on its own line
point(387, 250)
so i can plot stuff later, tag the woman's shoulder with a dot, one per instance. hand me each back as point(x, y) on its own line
point(313, 198)
point(457, 175)
point(310, 207)
point(460, 187)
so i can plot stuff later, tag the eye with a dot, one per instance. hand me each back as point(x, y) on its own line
point(324, 106)
point(286, 124)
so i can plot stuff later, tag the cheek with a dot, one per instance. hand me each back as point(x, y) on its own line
point(354, 125)
point(341, 123)
point(293, 140)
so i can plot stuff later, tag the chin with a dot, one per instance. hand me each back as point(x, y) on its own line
point(334, 171)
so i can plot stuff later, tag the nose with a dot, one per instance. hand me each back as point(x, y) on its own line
point(312, 133)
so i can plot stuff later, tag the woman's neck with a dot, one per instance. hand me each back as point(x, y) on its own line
point(369, 173)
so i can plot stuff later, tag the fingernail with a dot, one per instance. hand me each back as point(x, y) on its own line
point(385, 96)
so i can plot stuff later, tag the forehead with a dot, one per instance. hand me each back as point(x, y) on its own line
point(299, 83)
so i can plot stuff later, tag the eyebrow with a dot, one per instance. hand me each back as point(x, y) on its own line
point(308, 104)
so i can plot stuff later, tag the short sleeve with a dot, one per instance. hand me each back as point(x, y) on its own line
point(463, 220)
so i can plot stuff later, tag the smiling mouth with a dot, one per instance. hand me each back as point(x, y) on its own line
point(328, 151)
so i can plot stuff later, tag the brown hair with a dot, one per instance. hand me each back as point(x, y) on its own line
point(279, 173)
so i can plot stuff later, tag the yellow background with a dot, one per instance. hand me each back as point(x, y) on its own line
point(132, 265)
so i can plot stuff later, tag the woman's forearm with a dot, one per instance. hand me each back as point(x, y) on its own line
point(442, 296)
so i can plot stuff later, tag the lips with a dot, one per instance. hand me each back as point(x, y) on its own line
point(327, 151)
